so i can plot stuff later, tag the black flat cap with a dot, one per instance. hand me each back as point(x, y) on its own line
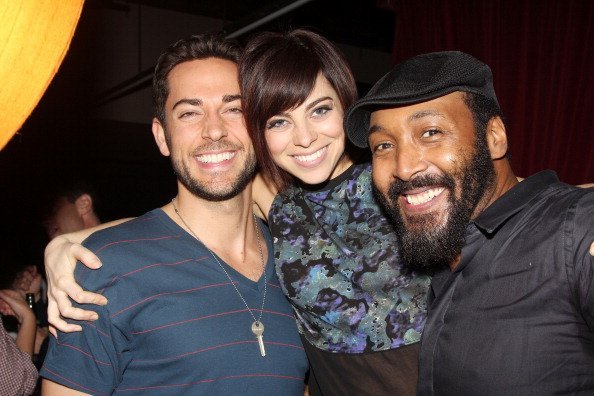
point(419, 79)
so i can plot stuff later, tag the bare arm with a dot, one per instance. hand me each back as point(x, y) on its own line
point(61, 255)
point(50, 388)
point(17, 370)
point(16, 306)
point(263, 193)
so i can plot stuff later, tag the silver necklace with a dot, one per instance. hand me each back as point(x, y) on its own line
point(257, 325)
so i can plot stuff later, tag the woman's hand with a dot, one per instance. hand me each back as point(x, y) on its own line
point(61, 255)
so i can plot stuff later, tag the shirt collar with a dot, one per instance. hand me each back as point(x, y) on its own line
point(514, 200)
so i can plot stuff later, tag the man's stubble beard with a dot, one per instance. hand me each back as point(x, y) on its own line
point(210, 193)
point(423, 245)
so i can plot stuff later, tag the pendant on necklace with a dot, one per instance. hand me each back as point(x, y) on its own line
point(258, 330)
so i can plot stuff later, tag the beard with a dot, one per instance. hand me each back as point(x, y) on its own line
point(423, 244)
point(215, 190)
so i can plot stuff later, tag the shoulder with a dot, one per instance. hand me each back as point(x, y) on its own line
point(357, 173)
point(565, 197)
point(579, 210)
point(153, 225)
point(353, 184)
point(129, 246)
point(570, 210)
point(543, 193)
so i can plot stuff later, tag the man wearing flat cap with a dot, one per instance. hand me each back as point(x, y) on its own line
point(511, 307)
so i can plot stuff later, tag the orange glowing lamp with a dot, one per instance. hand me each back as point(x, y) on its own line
point(34, 37)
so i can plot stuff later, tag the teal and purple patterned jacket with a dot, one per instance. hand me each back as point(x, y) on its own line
point(337, 261)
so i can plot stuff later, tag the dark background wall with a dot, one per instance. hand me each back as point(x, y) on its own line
point(93, 123)
point(541, 53)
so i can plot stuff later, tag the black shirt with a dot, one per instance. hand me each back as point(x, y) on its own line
point(516, 317)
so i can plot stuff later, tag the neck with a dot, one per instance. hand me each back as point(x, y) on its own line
point(91, 220)
point(504, 181)
point(220, 216)
point(343, 164)
point(228, 228)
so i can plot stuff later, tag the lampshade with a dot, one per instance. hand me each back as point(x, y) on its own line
point(34, 37)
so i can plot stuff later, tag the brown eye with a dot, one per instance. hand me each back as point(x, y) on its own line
point(431, 133)
point(381, 147)
point(187, 114)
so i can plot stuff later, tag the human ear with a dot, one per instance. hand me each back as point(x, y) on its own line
point(84, 204)
point(159, 135)
point(496, 138)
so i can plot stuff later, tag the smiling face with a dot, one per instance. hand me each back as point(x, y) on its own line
point(204, 132)
point(309, 141)
point(430, 171)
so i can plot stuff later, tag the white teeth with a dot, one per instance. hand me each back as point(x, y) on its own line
point(310, 157)
point(215, 158)
point(423, 197)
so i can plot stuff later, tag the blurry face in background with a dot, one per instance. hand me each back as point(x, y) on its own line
point(28, 281)
point(430, 171)
point(308, 141)
point(64, 219)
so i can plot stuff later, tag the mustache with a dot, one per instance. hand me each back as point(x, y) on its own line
point(399, 186)
point(216, 146)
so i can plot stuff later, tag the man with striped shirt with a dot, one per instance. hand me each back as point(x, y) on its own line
point(194, 303)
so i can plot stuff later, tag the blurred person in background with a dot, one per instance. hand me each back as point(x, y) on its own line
point(18, 374)
point(72, 208)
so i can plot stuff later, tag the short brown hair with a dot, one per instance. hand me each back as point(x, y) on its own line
point(201, 46)
point(277, 72)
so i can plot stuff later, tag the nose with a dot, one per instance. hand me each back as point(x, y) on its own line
point(304, 135)
point(214, 127)
point(409, 160)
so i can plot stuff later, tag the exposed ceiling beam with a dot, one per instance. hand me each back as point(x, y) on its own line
point(143, 79)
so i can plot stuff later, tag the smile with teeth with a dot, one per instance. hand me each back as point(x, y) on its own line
point(425, 196)
point(215, 158)
point(310, 157)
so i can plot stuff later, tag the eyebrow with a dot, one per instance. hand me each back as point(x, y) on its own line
point(198, 102)
point(307, 108)
point(193, 102)
point(316, 102)
point(374, 128)
point(425, 113)
point(231, 98)
point(413, 117)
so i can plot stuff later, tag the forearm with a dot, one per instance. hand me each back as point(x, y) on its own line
point(25, 339)
point(81, 235)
